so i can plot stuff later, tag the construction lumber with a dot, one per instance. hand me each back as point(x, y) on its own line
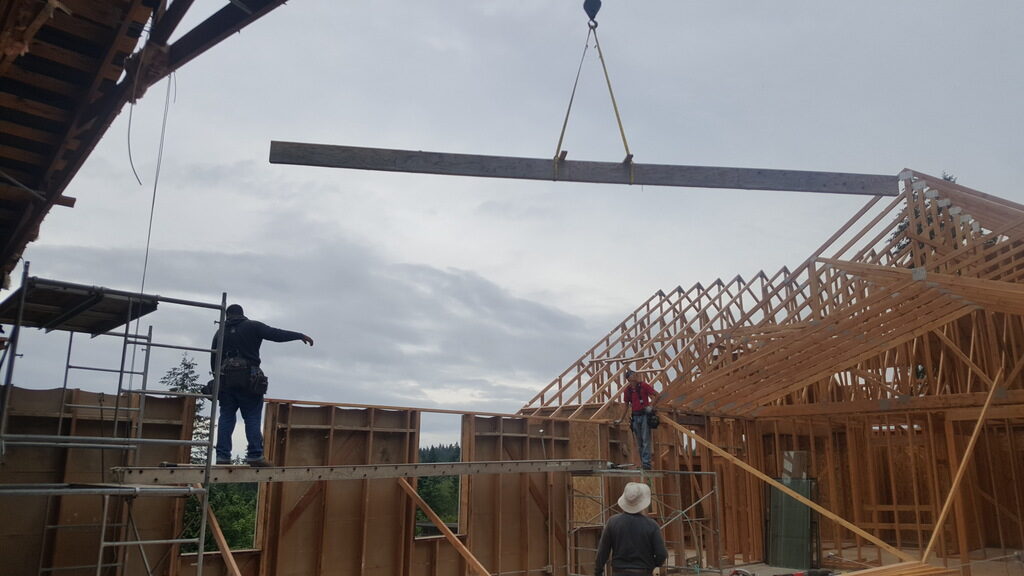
point(905, 569)
point(391, 160)
point(952, 403)
point(968, 451)
point(448, 534)
point(222, 542)
point(788, 491)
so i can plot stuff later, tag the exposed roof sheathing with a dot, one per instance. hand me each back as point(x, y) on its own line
point(67, 69)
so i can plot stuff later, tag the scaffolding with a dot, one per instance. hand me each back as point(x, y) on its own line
point(88, 422)
point(689, 524)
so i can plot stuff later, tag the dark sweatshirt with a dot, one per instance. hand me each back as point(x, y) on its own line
point(635, 542)
point(243, 338)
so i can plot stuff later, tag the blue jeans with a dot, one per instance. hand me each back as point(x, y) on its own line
point(642, 433)
point(251, 406)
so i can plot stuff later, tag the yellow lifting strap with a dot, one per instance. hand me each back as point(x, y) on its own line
point(592, 30)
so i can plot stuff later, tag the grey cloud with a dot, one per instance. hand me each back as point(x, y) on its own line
point(385, 333)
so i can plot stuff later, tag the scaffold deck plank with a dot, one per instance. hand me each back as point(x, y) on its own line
point(190, 474)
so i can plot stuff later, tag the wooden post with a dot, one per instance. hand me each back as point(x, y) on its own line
point(222, 543)
point(960, 471)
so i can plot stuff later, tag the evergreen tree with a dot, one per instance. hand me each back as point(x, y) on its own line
point(441, 493)
point(184, 378)
point(233, 504)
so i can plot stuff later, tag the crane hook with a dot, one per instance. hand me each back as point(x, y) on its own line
point(591, 7)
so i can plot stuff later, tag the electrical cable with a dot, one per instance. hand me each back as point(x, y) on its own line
point(156, 182)
point(131, 110)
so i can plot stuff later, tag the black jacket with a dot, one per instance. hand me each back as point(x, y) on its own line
point(243, 338)
point(634, 541)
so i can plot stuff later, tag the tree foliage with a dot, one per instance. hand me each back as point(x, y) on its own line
point(233, 504)
point(235, 508)
point(441, 493)
point(184, 378)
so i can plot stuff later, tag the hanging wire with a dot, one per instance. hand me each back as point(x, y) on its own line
point(156, 181)
point(152, 211)
point(131, 110)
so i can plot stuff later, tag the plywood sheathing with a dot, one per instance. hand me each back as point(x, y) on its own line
point(352, 527)
point(56, 531)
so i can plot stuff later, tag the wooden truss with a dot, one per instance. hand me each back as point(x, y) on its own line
point(869, 363)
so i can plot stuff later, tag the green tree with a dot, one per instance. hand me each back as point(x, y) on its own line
point(441, 493)
point(235, 508)
point(184, 378)
point(233, 504)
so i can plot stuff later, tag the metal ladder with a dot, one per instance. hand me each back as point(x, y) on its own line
point(117, 533)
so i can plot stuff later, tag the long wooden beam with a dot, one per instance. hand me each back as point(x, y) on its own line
point(222, 543)
point(968, 451)
point(789, 491)
point(903, 403)
point(389, 160)
point(461, 548)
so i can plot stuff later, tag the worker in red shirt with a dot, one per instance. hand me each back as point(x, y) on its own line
point(639, 397)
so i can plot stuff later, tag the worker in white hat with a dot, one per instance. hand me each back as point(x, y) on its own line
point(632, 539)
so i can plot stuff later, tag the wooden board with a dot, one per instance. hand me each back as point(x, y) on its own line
point(389, 160)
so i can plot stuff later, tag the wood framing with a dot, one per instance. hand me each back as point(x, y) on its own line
point(60, 531)
point(562, 170)
point(888, 367)
point(876, 360)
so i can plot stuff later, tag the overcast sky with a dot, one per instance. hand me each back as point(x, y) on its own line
point(434, 291)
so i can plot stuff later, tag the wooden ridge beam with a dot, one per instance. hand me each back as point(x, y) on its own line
point(390, 160)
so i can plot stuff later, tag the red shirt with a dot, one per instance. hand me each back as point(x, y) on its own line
point(643, 396)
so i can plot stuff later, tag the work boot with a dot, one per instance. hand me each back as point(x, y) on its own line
point(261, 463)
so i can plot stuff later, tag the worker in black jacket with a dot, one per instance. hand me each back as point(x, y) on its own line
point(242, 380)
point(633, 539)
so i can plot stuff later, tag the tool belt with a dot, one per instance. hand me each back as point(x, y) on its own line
point(238, 374)
point(630, 571)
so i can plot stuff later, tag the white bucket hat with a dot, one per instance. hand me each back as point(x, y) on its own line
point(636, 497)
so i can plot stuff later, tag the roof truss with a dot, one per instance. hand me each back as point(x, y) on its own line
point(916, 304)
